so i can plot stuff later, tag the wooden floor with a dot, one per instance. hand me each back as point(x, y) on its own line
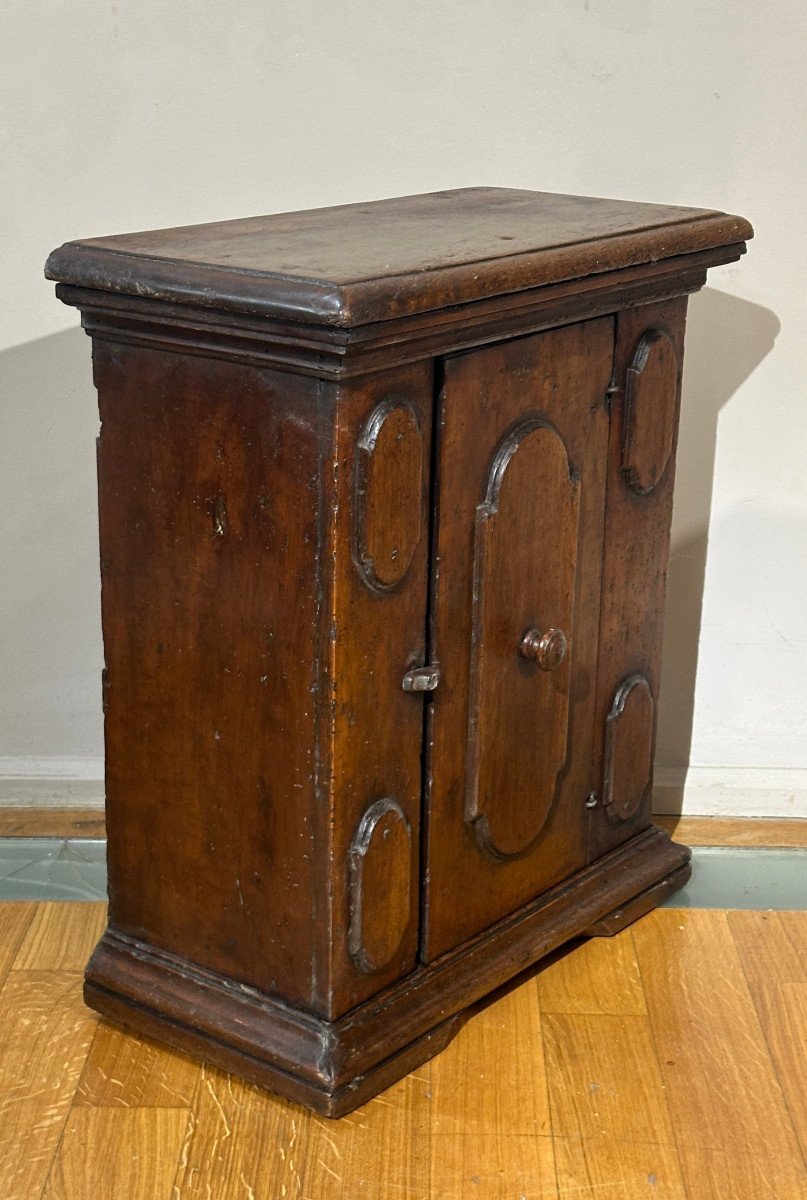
point(667, 1062)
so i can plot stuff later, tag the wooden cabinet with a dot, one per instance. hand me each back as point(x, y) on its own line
point(385, 495)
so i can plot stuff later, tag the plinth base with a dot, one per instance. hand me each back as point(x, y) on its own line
point(335, 1066)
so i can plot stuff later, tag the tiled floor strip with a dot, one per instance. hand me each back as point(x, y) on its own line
point(722, 877)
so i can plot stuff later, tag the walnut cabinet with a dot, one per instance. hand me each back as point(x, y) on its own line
point(385, 498)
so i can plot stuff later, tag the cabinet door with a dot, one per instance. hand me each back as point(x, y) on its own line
point(521, 456)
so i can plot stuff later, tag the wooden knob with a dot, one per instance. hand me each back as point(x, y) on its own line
point(547, 649)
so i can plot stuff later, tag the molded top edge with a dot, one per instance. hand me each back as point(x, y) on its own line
point(359, 263)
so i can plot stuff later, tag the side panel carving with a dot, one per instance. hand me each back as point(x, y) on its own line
point(651, 386)
point(628, 749)
point(380, 885)
point(524, 569)
point(388, 494)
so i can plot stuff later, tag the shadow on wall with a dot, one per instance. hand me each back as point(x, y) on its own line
point(50, 655)
point(726, 339)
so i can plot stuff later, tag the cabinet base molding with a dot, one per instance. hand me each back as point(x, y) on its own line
point(335, 1066)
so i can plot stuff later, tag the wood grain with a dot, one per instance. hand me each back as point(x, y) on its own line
point(634, 569)
point(61, 937)
point(245, 1143)
point(124, 1070)
point(46, 1033)
point(357, 263)
point(719, 1078)
point(604, 1168)
point(562, 377)
point(53, 822)
point(141, 1152)
point(735, 831)
point(280, 548)
point(490, 1127)
point(773, 951)
point(15, 918)
point(494, 1117)
point(596, 976)
point(604, 1078)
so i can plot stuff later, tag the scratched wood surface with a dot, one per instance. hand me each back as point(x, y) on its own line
point(667, 1062)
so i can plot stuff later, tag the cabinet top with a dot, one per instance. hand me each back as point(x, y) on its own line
point(360, 263)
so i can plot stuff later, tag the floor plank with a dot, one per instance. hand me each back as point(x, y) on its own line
point(46, 1033)
point(604, 1169)
point(740, 1174)
point(124, 1070)
point(781, 833)
point(61, 936)
point(720, 1082)
point(142, 1150)
point(773, 951)
point(600, 975)
point(667, 1063)
point(383, 1150)
point(53, 822)
point(489, 1110)
point(244, 1142)
point(15, 918)
point(604, 1079)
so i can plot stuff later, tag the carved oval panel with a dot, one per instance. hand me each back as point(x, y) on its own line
point(380, 885)
point(629, 749)
point(525, 550)
point(388, 494)
point(651, 388)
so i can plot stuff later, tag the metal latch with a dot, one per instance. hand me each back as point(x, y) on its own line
point(421, 679)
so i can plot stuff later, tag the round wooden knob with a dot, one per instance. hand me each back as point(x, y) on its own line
point(547, 649)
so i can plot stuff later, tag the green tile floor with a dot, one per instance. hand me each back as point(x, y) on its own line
point(722, 877)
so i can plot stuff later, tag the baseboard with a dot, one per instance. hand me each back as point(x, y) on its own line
point(48, 782)
point(731, 791)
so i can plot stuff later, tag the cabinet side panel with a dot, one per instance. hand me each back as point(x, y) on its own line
point(210, 475)
point(377, 630)
point(641, 469)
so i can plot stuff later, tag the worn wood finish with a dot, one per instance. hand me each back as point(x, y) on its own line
point(375, 730)
point(628, 765)
point(555, 386)
point(209, 547)
point(334, 1066)
point(491, 1116)
point(355, 263)
point(634, 572)
point(378, 574)
point(651, 388)
point(531, 508)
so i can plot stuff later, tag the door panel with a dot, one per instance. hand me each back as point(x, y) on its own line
point(532, 500)
point(648, 360)
point(522, 447)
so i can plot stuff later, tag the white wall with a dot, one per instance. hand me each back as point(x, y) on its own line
point(139, 113)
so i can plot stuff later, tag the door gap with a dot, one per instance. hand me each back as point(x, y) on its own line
point(429, 640)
